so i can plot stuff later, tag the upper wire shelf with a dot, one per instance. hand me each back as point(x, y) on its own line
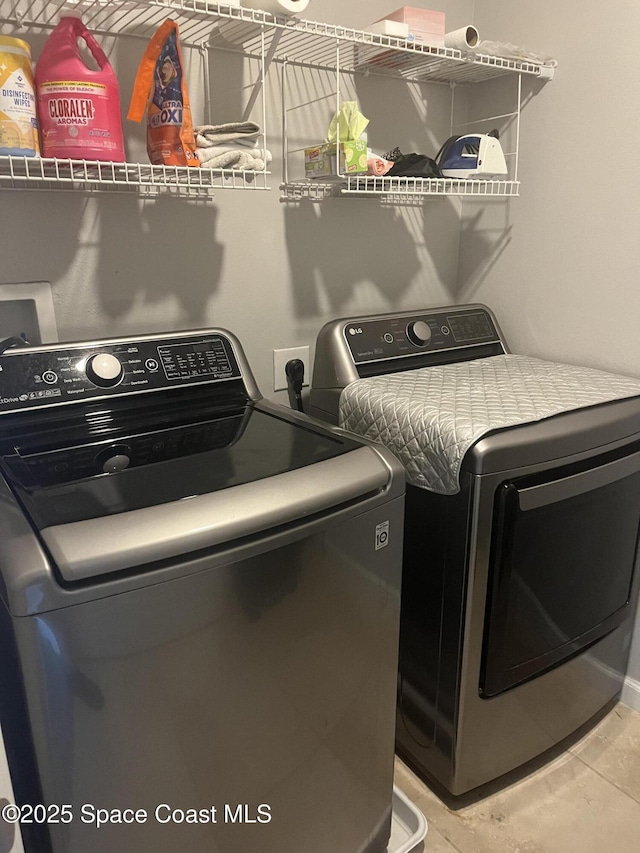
point(206, 24)
point(97, 175)
point(405, 190)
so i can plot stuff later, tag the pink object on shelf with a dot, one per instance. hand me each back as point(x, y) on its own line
point(424, 24)
point(78, 107)
point(378, 166)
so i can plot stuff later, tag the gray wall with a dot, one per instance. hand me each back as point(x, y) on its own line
point(272, 273)
point(560, 265)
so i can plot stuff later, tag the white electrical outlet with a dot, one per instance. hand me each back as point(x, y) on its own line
point(280, 359)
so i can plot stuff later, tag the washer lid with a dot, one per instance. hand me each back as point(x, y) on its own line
point(142, 537)
point(212, 483)
point(147, 469)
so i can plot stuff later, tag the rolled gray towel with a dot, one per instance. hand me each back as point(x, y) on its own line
point(230, 160)
point(253, 151)
point(208, 135)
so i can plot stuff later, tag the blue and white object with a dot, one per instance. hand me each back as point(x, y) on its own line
point(475, 155)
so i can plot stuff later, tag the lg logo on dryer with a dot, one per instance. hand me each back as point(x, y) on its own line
point(354, 330)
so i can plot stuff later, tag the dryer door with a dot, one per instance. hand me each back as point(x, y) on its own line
point(562, 567)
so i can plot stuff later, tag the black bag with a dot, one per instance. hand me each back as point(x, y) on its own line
point(414, 166)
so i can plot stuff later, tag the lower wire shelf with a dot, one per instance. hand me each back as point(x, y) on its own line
point(398, 190)
point(101, 176)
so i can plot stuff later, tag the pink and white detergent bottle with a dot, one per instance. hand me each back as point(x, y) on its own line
point(78, 107)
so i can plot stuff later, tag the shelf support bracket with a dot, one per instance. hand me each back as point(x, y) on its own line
point(515, 171)
point(266, 63)
point(285, 123)
point(452, 86)
point(204, 58)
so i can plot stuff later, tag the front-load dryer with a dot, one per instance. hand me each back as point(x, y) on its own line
point(521, 531)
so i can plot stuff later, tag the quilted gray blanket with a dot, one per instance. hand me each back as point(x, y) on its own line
point(431, 416)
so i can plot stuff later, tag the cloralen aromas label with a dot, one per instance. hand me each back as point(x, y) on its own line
point(74, 113)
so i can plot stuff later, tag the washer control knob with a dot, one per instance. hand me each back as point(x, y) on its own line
point(104, 370)
point(113, 459)
point(419, 333)
point(115, 463)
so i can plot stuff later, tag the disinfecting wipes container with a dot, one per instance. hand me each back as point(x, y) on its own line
point(18, 123)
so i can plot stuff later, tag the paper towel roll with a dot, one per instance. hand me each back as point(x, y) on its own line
point(466, 38)
point(277, 7)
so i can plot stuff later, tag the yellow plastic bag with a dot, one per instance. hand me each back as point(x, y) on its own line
point(347, 124)
point(160, 89)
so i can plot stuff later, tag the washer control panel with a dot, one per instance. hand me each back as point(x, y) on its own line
point(30, 378)
point(398, 336)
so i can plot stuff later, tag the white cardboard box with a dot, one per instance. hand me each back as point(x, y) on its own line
point(425, 25)
point(385, 27)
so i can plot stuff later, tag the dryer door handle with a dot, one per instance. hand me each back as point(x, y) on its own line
point(535, 497)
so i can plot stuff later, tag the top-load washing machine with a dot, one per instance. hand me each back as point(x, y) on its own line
point(521, 531)
point(199, 608)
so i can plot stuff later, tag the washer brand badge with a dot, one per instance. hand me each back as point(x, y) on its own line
point(382, 535)
point(354, 330)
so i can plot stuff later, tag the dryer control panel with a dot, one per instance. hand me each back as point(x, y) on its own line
point(398, 336)
point(54, 374)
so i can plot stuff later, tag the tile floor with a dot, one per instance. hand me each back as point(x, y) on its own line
point(585, 800)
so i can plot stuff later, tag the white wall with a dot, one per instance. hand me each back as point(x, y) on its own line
point(561, 265)
point(270, 272)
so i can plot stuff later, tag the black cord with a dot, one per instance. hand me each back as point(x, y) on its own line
point(14, 341)
point(295, 378)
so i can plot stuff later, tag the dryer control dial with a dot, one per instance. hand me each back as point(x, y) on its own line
point(419, 333)
point(104, 370)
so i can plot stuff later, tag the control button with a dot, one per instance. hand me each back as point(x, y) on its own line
point(419, 333)
point(151, 364)
point(50, 377)
point(445, 330)
point(116, 463)
point(389, 338)
point(113, 459)
point(104, 370)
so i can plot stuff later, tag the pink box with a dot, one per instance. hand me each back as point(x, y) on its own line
point(424, 24)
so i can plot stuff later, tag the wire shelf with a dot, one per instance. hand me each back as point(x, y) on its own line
point(95, 175)
point(206, 24)
point(400, 190)
point(228, 26)
point(429, 186)
point(313, 44)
